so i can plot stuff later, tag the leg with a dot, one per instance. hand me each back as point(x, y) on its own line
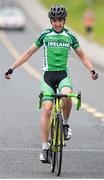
point(46, 112)
point(65, 87)
point(45, 120)
point(44, 124)
point(66, 113)
point(67, 103)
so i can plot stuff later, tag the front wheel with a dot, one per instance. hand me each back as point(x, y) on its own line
point(52, 151)
point(59, 144)
point(53, 161)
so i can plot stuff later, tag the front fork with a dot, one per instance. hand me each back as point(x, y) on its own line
point(56, 134)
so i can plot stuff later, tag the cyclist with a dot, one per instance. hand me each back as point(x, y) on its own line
point(57, 42)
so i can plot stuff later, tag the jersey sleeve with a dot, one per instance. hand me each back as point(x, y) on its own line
point(39, 40)
point(75, 42)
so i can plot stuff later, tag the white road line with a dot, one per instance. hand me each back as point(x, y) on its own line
point(39, 149)
point(20, 149)
point(84, 150)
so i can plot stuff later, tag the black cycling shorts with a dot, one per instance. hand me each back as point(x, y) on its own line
point(53, 79)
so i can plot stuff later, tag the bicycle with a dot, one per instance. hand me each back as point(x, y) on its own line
point(56, 136)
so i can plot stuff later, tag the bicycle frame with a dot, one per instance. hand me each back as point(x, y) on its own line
point(56, 111)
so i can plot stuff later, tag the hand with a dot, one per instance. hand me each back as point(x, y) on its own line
point(94, 75)
point(8, 73)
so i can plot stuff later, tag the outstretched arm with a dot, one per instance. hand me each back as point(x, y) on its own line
point(85, 60)
point(22, 59)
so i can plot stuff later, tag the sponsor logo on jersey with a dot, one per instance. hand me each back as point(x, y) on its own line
point(58, 44)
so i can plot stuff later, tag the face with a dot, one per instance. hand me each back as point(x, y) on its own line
point(58, 24)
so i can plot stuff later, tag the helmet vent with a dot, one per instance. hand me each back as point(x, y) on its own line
point(57, 12)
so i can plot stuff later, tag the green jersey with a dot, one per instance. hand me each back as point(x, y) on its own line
point(56, 48)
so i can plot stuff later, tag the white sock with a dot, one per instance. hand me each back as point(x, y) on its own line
point(65, 121)
point(45, 146)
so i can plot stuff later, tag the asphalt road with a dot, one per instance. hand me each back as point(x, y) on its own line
point(20, 143)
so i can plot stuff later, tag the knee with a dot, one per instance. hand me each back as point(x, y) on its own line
point(47, 107)
point(68, 103)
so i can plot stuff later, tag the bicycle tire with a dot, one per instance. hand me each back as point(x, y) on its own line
point(53, 161)
point(53, 154)
point(59, 144)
